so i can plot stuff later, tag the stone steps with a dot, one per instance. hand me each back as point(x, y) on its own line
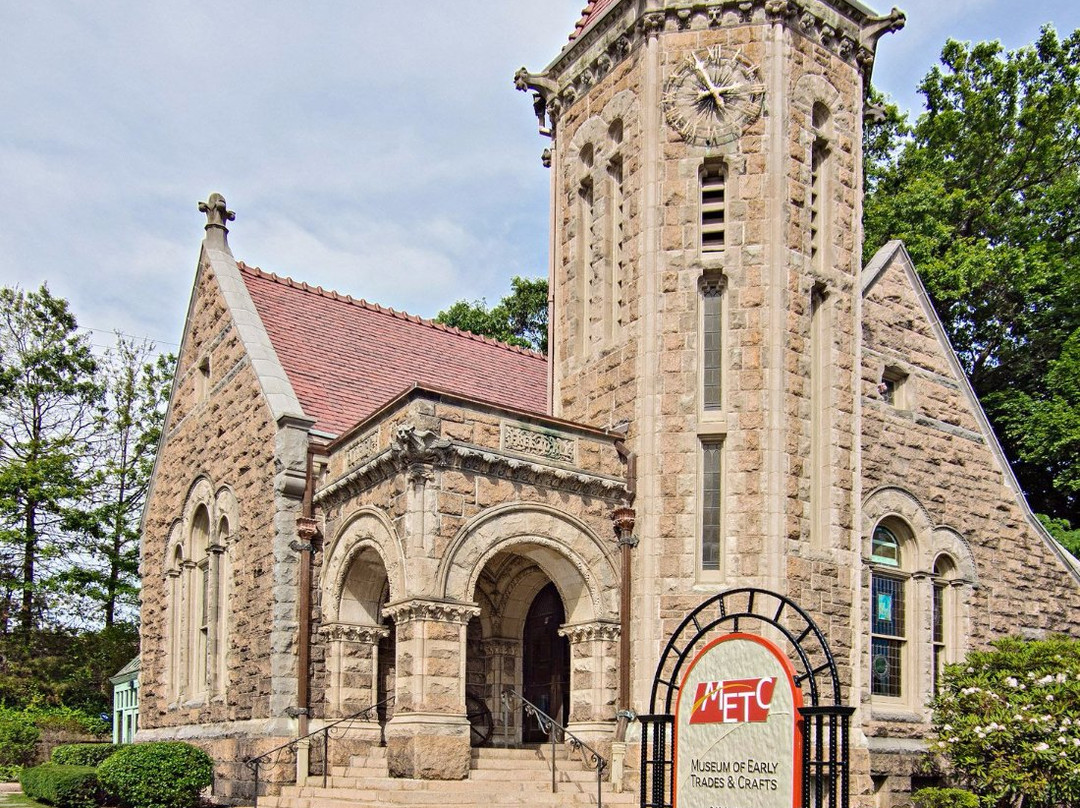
point(498, 778)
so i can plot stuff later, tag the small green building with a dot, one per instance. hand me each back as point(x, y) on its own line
point(126, 702)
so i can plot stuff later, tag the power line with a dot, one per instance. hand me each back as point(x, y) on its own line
point(137, 337)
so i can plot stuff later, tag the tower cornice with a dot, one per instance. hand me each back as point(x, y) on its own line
point(847, 28)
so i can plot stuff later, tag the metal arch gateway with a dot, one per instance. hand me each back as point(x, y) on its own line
point(824, 721)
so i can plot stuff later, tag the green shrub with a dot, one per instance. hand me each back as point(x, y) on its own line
point(62, 786)
point(67, 719)
point(9, 773)
point(160, 774)
point(944, 798)
point(1006, 723)
point(82, 754)
point(18, 739)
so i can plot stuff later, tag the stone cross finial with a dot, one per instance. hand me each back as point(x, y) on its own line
point(216, 213)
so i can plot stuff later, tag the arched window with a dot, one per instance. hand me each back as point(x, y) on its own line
point(199, 600)
point(888, 615)
point(943, 611)
point(819, 186)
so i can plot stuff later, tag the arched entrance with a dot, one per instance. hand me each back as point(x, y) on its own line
point(545, 662)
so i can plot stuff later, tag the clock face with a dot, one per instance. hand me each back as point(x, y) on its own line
point(710, 99)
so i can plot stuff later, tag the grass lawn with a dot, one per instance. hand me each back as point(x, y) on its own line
point(16, 799)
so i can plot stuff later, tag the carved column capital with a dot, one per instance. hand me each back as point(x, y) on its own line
point(443, 611)
point(352, 632)
point(597, 630)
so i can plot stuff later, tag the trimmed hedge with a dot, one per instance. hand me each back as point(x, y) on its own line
point(82, 754)
point(159, 774)
point(62, 786)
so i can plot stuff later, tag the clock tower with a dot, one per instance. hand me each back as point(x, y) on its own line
point(705, 261)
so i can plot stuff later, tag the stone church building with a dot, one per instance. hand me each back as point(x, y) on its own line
point(353, 506)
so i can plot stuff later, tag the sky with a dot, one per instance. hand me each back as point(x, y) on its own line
point(378, 149)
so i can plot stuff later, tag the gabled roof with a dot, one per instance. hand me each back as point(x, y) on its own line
point(346, 357)
point(592, 11)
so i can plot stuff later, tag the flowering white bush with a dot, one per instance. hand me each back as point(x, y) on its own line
point(1007, 722)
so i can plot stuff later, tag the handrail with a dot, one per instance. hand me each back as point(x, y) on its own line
point(553, 729)
point(253, 763)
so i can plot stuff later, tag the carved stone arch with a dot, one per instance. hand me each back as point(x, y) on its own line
point(812, 89)
point(368, 529)
point(225, 508)
point(568, 552)
point(891, 502)
point(173, 546)
point(624, 109)
point(201, 493)
point(593, 134)
point(947, 541)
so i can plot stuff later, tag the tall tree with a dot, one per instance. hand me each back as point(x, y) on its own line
point(985, 192)
point(518, 319)
point(127, 428)
point(48, 392)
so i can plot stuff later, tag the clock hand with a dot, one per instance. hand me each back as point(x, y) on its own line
point(711, 88)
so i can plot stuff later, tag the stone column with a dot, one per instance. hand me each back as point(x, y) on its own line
point(594, 678)
point(214, 685)
point(428, 737)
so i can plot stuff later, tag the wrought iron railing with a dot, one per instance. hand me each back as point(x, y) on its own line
point(341, 726)
point(555, 732)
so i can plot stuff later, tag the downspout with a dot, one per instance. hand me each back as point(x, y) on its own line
point(624, 529)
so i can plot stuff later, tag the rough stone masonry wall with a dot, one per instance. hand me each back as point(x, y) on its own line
point(228, 437)
point(936, 451)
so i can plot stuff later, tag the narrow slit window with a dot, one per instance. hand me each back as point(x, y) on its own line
point(711, 504)
point(713, 208)
point(712, 306)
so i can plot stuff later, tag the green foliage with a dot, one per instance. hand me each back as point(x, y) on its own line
point(165, 774)
point(519, 319)
point(51, 670)
point(82, 754)
point(18, 739)
point(1063, 531)
point(1007, 722)
point(127, 428)
point(48, 390)
point(62, 786)
point(10, 773)
point(985, 192)
point(944, 798)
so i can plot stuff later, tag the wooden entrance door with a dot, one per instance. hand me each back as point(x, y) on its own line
point(546, 662)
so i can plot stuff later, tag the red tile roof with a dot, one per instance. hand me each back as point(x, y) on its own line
point(593, 9)
point(346, 357)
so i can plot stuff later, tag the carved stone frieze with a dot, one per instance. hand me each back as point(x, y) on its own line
point(437, 610)
point(585, 632)
point(352, 632)
point(516, 438)
point(361, 449)
point(463, 457)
